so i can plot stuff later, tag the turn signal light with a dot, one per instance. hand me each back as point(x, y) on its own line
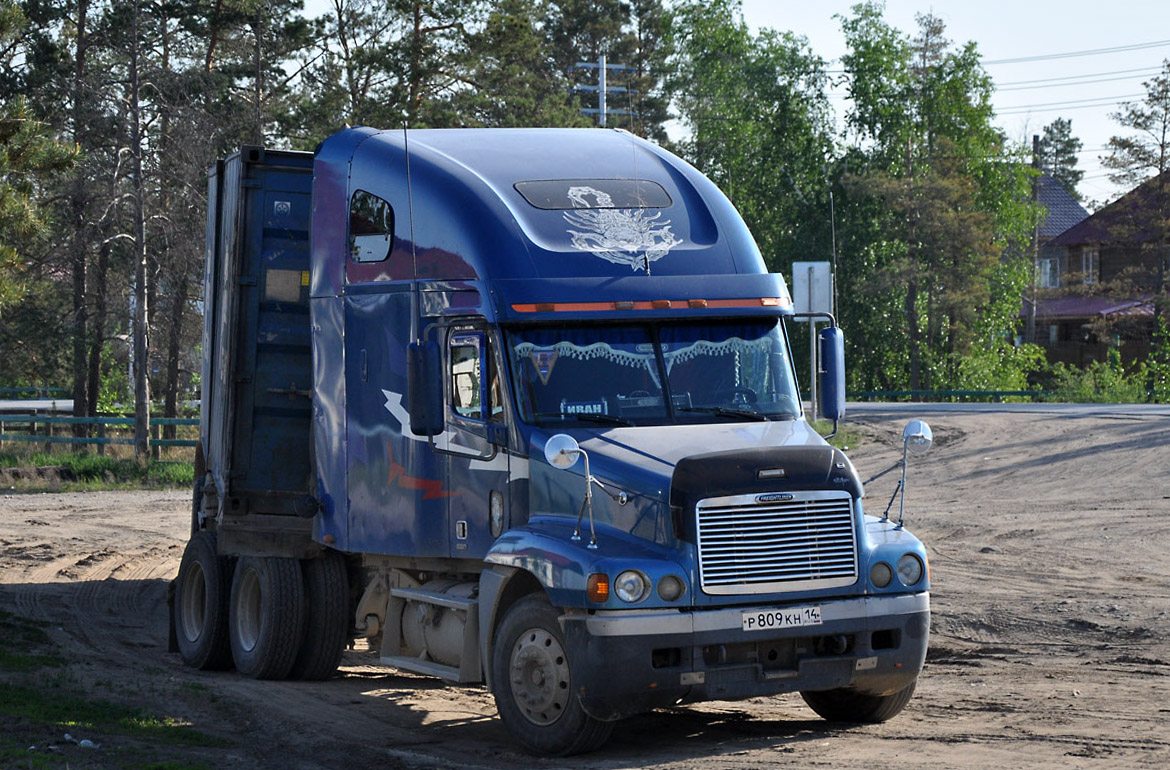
point(597, 589)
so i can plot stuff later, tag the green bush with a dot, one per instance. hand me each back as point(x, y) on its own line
point(1103, 382)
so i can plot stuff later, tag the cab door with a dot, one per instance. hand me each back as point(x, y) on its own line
point(477, 454)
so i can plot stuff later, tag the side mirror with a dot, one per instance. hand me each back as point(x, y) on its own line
point(424, 388)
point(833, 373)
point(562, 451)
point(917, 437)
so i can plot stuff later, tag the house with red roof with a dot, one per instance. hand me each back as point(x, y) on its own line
point(1098, 278)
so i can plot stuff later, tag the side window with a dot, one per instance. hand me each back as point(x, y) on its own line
point(371, 227)
point(475, 383)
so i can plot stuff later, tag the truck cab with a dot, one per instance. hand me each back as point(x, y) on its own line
point(557, 445)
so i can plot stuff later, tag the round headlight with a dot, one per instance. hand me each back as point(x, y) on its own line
point(671, 588)
point(881, 574)
point(909, 569)
point(631, 586)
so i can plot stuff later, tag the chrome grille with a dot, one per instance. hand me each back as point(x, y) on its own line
point(751, 547)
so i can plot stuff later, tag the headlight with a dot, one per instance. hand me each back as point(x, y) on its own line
point(670, 588)
point(909, 569)
point(881, 574)
point(631, 586)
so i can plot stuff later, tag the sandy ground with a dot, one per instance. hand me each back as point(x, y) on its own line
point(1049, 539)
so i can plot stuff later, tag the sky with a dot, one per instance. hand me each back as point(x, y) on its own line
point(1049, 59)
point(1072, 59)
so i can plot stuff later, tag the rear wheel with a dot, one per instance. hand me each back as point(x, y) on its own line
point(845, 705)
point(200, 610)
point(533, 684)
point(326, 617)
point(266, 615)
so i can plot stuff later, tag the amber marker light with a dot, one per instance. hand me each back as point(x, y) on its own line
point(597, 589)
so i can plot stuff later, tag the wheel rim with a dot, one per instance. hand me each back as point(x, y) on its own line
point(248, 597)
point(194, 602)
point(540, 676)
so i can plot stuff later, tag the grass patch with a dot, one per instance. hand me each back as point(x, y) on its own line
point(63, 711)
point(83, 471)
point(846, 436)
point(23, 639)
point(42, 699)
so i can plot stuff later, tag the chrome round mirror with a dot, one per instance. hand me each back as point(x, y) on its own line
point(562, 451)
point(917, 437)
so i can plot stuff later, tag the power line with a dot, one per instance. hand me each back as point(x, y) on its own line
point(1142, 70)
point(1077, 104)
point(1075, 54)
point(1063, 85)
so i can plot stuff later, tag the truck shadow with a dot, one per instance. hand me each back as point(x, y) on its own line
point(115, 631)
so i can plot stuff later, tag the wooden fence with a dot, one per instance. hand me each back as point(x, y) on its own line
point(50, 429)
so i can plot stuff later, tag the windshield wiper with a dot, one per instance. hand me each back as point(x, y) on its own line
point(723, 411)
point(607, 419)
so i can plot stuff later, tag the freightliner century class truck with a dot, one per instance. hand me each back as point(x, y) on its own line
point(519, 407)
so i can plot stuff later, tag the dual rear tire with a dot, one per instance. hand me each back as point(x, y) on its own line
point(273, 617)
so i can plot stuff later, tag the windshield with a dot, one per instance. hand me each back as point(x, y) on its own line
point(651, 375)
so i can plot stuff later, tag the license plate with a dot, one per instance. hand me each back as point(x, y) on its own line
point(771, 620)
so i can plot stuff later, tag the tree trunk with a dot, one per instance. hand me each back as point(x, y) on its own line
point(82, 406)
point(98, 331)
point(141, 328)
point(174, 352)
point(914, 335)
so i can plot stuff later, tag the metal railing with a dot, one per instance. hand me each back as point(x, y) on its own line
point(943, 395)
point(50, 433)
point(33, 392)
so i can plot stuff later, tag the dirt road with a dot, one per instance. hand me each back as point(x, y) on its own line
point(1049, 540)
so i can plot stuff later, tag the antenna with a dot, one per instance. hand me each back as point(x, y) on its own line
point(638, 193)
point(414, 293)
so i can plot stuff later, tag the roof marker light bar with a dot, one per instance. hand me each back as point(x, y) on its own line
point(658, 304)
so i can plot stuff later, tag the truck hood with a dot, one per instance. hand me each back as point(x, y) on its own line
point(641, 460)
point(659, 448)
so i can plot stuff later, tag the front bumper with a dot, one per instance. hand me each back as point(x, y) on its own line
point(627, 662)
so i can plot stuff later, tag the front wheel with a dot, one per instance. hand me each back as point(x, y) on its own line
point(845, 705)
point(533, 684)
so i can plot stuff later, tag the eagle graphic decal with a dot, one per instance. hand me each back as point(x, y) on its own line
point(622, 236)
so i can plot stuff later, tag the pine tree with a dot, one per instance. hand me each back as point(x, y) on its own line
point(29, 154)
point(1058, 155)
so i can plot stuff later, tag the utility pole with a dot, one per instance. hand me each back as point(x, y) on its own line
point(1030, 298)
point(603, 89)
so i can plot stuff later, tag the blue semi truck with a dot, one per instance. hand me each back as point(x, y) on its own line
point(519, 407)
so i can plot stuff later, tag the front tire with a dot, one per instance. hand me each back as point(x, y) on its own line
point(533, 686)
point(266, 615)
point(200, 610)
point(845, 705)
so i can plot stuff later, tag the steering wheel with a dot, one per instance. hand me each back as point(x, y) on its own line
point(639, 394)
point(738, 396)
